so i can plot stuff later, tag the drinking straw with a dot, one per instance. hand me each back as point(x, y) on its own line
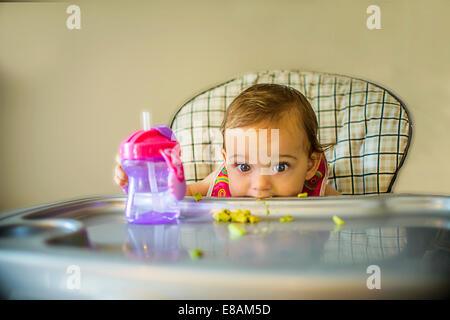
point(146, 125)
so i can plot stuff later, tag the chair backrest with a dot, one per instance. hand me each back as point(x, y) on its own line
point(367, 126)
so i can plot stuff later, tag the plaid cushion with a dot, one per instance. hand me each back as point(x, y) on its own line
point(366, 125)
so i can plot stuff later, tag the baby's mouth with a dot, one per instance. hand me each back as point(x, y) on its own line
point(263, 195)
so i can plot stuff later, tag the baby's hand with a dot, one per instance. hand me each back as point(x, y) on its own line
point(120, 177)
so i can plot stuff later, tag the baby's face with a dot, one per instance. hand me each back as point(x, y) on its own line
point(283, 177)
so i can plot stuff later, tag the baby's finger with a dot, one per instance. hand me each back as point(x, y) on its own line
point(120, 173)
point(118, 159)
point(120, 182)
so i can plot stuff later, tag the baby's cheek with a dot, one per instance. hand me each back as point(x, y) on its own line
point(289, 187)
point(238, 186)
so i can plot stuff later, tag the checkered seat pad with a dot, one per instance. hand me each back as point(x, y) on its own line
point(366, 125)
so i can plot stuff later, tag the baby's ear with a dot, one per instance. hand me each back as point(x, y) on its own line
point(313, 164)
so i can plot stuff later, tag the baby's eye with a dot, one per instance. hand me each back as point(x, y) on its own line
point(281, 167)
point(243, 167)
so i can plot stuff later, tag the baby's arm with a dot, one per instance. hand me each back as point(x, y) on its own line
point(330, 191)
point(200, 186)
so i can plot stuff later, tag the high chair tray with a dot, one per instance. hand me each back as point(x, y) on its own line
point(390, 247)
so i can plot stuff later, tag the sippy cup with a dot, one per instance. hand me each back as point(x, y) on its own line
point(151, 160)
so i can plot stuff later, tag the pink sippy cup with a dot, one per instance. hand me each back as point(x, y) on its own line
point(151, 159)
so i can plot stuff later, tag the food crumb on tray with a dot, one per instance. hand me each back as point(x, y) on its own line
point(339, 223)
point(286, 218)
point(195, 254)
point(235, 231)
point(197, 196)
point(238, 215)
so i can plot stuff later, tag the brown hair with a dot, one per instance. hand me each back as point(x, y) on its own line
point(270, 102)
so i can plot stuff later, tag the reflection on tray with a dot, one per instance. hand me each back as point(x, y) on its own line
point(153, 242)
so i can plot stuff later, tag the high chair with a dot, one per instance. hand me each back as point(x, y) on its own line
point(367, 127)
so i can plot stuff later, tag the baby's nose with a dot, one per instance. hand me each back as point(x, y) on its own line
point(263, 184)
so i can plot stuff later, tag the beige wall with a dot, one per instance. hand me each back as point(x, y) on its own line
point(67, 98)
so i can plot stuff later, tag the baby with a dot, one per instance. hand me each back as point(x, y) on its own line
point(279, 154)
